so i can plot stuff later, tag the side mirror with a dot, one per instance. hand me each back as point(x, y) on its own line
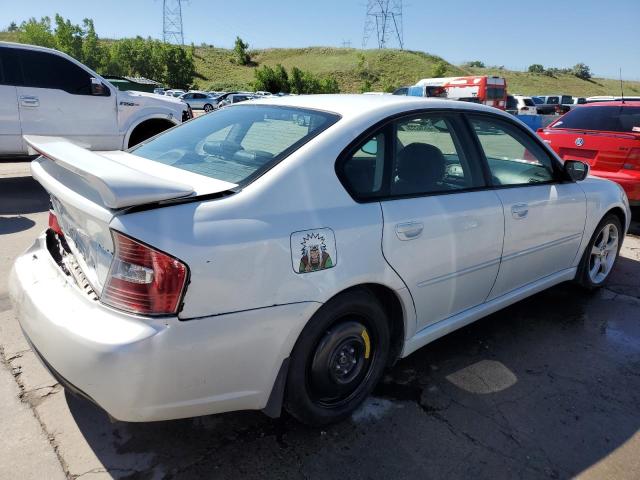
point(98, 88)
point(576, 170)
point(371, 147)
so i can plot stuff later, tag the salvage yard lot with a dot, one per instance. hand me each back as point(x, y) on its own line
point(548, 387)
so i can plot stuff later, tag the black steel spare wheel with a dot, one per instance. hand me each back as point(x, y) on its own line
point(341, 361)
point(338, 358)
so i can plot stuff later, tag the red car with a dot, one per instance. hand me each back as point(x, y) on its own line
point(606, 135)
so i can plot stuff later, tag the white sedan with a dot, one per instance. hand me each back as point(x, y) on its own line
point(251, 260)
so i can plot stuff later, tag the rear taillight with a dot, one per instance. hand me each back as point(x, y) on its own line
point(633, 160)
point(143, 280)
point(53, 223)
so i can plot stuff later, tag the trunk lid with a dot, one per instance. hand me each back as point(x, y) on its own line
point(604, 151)
point(88, 189)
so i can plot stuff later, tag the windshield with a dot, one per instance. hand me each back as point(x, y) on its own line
point(237, 144)
point(610, 119)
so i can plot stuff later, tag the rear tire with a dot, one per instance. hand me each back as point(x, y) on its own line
point(338, 359)
point(601, 253)
point(208, 107)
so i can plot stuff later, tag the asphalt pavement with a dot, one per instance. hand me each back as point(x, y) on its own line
point(549, 387)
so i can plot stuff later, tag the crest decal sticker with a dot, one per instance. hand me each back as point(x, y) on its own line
point(313, 250)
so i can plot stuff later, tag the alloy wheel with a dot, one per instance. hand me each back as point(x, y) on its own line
point(603, 253)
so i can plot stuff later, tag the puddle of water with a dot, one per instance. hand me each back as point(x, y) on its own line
point(483, 377)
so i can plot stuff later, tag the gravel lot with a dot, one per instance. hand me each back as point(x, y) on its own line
point(549, 387)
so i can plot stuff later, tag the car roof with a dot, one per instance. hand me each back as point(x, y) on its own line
point(355, 105)
point(613, 103)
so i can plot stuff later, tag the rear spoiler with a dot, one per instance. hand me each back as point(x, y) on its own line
point(117, 184)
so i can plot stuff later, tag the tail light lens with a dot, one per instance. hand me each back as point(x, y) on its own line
point(143, 280)
point(53, 223)
point(633, 160)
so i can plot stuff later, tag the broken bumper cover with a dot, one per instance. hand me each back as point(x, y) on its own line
point(143, 369)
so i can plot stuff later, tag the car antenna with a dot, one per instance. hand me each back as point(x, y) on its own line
point(621, 86)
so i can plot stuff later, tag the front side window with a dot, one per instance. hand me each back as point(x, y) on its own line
point(47, 70)
point(512, 156)
point(236, 144)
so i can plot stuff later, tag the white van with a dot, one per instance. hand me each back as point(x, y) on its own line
point(46, 92)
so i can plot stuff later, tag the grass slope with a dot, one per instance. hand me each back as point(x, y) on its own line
point(384, 67)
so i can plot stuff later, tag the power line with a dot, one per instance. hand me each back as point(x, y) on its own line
point(172, 21)
point(384, 18)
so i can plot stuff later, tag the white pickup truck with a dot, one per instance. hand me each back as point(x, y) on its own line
point(46, 92)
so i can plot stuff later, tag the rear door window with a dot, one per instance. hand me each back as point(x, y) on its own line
point(47, 70)
point(528, 102)
point(553, 100)
point(10, 71)
point(567, 100)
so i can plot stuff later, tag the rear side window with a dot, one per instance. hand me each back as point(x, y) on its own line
point(47, 70)
point(237, 144)
point(609, 119)
point(567, 100)
point(528, 102)
point(10, 73)
point(513, 157)
point(494, 93)
point(552, 100)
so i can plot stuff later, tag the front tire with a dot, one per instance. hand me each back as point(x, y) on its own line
point(338, 359)
point(601, 253)
point(208, 108)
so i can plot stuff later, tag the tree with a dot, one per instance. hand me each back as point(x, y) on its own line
point(296, 81)
point(475, 64)
point(282, 78)
point(536, 68)
point(13, 27)
point(581, 71)
point(37, 32)
point(240, 54)
point(267, 80)
point(68, 37)
point(439, 69)
point(94, 55)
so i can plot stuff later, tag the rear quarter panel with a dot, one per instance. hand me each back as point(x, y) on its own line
point(239, 249)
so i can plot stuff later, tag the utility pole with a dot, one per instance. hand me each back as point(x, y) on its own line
point(384, 18)
point(172, 22)
point(346, 44)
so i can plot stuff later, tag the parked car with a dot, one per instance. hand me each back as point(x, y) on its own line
point(262, 93)
point(199, 100)
point(542, 108)
point(158, 91)
point(246, 261)
point(561, 103)
point(579, 100)
point(520, 105)
point(75, 103)
point(610, 98)
point(606, 135)
point(174, 92)
point(235, 98)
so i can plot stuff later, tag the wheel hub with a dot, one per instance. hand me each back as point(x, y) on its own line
point(340, 363)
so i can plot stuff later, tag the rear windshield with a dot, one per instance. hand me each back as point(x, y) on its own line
point(610, 119)
point(237, 144)
point(495, 93)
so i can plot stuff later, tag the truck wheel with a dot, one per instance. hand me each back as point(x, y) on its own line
point(338, 359)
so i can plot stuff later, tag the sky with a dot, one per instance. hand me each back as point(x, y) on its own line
point(555, 33)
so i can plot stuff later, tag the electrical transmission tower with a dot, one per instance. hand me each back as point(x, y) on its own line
point(172, 21)
point(384, 19)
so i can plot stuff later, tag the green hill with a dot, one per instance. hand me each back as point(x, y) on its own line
point(384, 69)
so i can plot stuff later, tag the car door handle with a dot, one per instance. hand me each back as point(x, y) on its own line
point(409, 230)
point(520, 210)
point(29, 101)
